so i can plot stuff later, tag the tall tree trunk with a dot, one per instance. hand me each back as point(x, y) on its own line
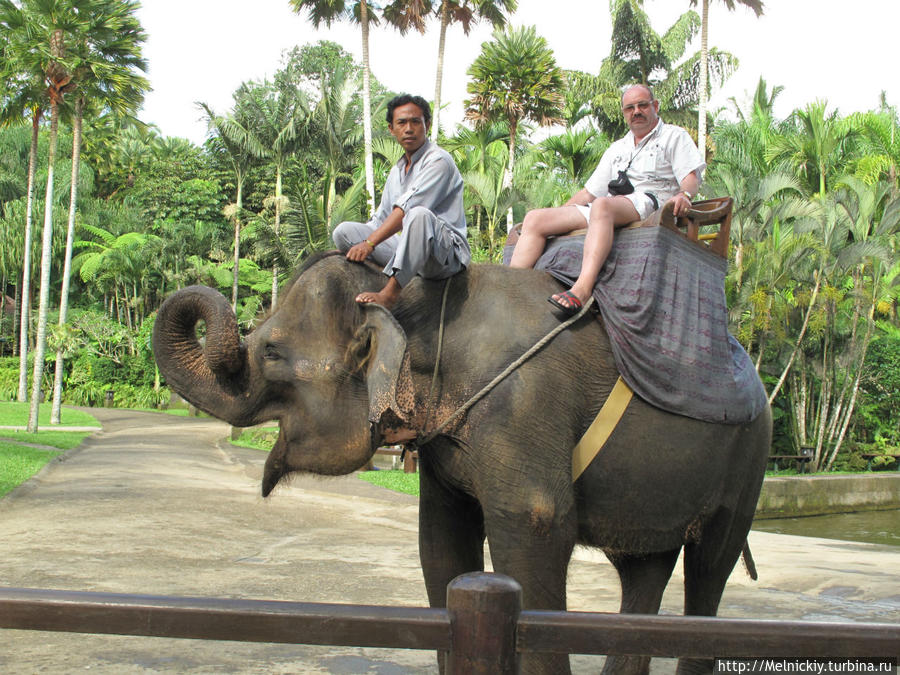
point(125, 306)
point(799, 341)
point(367, 110)
point(438, 80)
point(40, 345)
point(848, 414)
point(277, 229)
point(25, 313)
point(704, 79)
point(508, 175)
point(237, 244)
point(825, 394)
point(67, 265)
point(804, 408)
point(330, 196)
point(16, 325)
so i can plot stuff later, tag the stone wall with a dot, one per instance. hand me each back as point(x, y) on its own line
point(791, 496)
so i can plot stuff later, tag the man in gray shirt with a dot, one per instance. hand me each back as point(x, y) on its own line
point(420, 226)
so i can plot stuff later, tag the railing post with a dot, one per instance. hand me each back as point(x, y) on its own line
point(484, 611)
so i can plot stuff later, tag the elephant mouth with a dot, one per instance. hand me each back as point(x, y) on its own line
point(276, 465)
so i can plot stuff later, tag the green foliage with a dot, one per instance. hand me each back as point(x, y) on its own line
point(9, 377)
point(877, 423)
point(814, 232)
point(260, 438)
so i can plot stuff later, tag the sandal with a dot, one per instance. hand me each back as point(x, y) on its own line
point(567, 302)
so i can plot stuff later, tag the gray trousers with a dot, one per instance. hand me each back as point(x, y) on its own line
point(425, 246)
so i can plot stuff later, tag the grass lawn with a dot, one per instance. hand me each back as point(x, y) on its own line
point(14, 413)
point(398, 481)
point(19, 461)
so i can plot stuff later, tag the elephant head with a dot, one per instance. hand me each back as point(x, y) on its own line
point(333, 373)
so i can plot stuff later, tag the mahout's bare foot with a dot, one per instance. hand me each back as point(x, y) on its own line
point(386, 297)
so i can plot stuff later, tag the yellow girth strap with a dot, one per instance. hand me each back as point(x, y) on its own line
point(602, 426)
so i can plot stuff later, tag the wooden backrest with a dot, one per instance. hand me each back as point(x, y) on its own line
point(710, 213)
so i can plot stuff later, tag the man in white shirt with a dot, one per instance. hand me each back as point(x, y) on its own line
point(420, 225)
point(653, 164)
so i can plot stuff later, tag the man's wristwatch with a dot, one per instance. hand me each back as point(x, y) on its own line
point(371, 245)
point(688, 195)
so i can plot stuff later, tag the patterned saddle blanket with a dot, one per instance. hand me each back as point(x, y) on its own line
point(662, 300)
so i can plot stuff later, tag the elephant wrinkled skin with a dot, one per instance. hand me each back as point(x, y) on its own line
point(342, 378)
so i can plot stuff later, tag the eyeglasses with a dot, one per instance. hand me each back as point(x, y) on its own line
point(640, 105)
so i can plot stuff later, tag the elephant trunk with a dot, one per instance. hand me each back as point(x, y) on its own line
point(214, 378)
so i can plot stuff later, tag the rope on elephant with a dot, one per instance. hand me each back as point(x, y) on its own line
point(440, 348)
point(497, 380)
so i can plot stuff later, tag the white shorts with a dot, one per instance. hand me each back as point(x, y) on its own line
point(642, 204)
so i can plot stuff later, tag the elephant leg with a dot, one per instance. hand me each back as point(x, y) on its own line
point(707, 566)
point(451, 539)
point(643, 579)
point(451, 536)
point(532, 543)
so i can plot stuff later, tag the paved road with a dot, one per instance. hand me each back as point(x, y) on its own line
point(166, 506)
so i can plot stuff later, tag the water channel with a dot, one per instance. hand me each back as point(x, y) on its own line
point(874, 527)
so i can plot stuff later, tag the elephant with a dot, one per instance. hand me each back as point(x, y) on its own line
point(342, 379)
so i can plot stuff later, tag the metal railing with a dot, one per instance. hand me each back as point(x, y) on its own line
point(483, 628)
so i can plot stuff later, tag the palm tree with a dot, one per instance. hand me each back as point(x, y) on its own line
point(278, 118)
point(480, 151)
point(238, 141)
point(49, 28)
point(336, 131)
point(584, 92)
point(362, 12)
point(747, 141)
point(874, 220)
point(575, 152)
point(26, 94)
point(757, 7)
point(466, 13)
point(116, 263)
point(516, 79)
point(108, 54)
point(820, 149)
point(639, 55)
point(853, 227)
point(881, 144)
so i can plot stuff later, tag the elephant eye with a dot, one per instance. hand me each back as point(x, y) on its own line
point(271, 353)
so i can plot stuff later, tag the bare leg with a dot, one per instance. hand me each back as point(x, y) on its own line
point(387, 296)
point(537, 226)
point(606, 213)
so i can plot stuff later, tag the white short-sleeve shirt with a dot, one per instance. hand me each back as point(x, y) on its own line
point(658, 164)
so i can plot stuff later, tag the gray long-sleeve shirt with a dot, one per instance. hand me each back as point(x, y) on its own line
point(432, 182)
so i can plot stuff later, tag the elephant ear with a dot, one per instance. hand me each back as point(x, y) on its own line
point(386, 361)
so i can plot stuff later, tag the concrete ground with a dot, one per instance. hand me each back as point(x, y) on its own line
point(163, 505)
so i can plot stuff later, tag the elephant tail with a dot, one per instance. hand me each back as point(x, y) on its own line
point(749, 565)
